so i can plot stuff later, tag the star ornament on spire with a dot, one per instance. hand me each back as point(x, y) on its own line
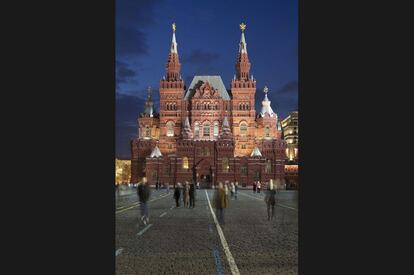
point(174, 27)
point(265, 90)
point(242, 27)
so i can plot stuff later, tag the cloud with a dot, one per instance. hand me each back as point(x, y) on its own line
point(200, 57)
point(288, 88)
point(124, 74)
point(132, 21)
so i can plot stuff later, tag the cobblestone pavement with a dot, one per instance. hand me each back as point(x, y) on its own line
point(186, 241)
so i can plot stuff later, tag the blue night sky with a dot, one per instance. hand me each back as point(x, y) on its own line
point(208, 36)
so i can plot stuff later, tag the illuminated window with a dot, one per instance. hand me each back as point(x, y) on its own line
point(170, 129)
point(243, 129)
point(185, 163)
point(169, 146)
point(216, 128)
point(206, 151)
point(147, 131)
point(196, 130)
point(225, 165)
point(206, 130)
point(243, 146)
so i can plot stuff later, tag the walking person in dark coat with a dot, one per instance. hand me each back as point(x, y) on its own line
point(143, 195)
point(270, 200)
point(177, 194)
point(192, 195)
point(220, 202)
point(254, 187)
point(236, 189)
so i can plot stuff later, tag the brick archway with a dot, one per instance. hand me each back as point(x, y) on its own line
point(204, 173)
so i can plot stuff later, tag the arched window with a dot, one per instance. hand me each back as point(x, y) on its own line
point(240, 106)
point(247, 107)
point(170, 129)
point(206, 129)
point(216, 129)
point(267, 131)
point(185, 163)
point(225, 165)
point(243, 129)
point(268, 167)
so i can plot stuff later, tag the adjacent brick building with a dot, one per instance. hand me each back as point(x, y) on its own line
point(206, 132)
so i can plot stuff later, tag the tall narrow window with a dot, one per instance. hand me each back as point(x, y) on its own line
point(243, 170)
point(197, 130)
point(147, 131)
point(225, 165)
point(216, 129)
point(206, 130)
point(185, 163)
point(243, 129)
point(170, 129)
point(267, 131)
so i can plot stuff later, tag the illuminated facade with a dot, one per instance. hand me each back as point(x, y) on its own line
point(206, 132)
point(291, 136)
point(122, 171)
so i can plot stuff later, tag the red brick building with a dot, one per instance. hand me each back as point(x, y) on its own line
point(206, 132)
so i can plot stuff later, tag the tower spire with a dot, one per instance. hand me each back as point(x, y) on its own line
point(173, 41)
point(173, 64)
point(242, 62)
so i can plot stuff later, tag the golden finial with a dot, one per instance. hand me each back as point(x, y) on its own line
point(242, 27)
point(174, 27)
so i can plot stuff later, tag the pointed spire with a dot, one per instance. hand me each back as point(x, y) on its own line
point(226, 122)
point(173, 64)
point(266, 108)
point(226, 131)
point(149, 104)
point(242, 63)
point(256, 152)
point(279, 126)
point(187, 123)
point(187, 132)
point(156, 153)
point(173, 41)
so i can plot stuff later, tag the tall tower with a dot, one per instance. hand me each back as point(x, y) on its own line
point(171, 100)
point(243, 88)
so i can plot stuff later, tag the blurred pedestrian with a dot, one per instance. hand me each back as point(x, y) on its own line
point(198, 185)
point(258, 187)
point(186, 195)
point(192, 195)
point(236, 189)
point(177, 194)
point(220, 202)
point(232, 189)
point(143, 195)
point(270, 200)
point(254, 187)
point(167, 187)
